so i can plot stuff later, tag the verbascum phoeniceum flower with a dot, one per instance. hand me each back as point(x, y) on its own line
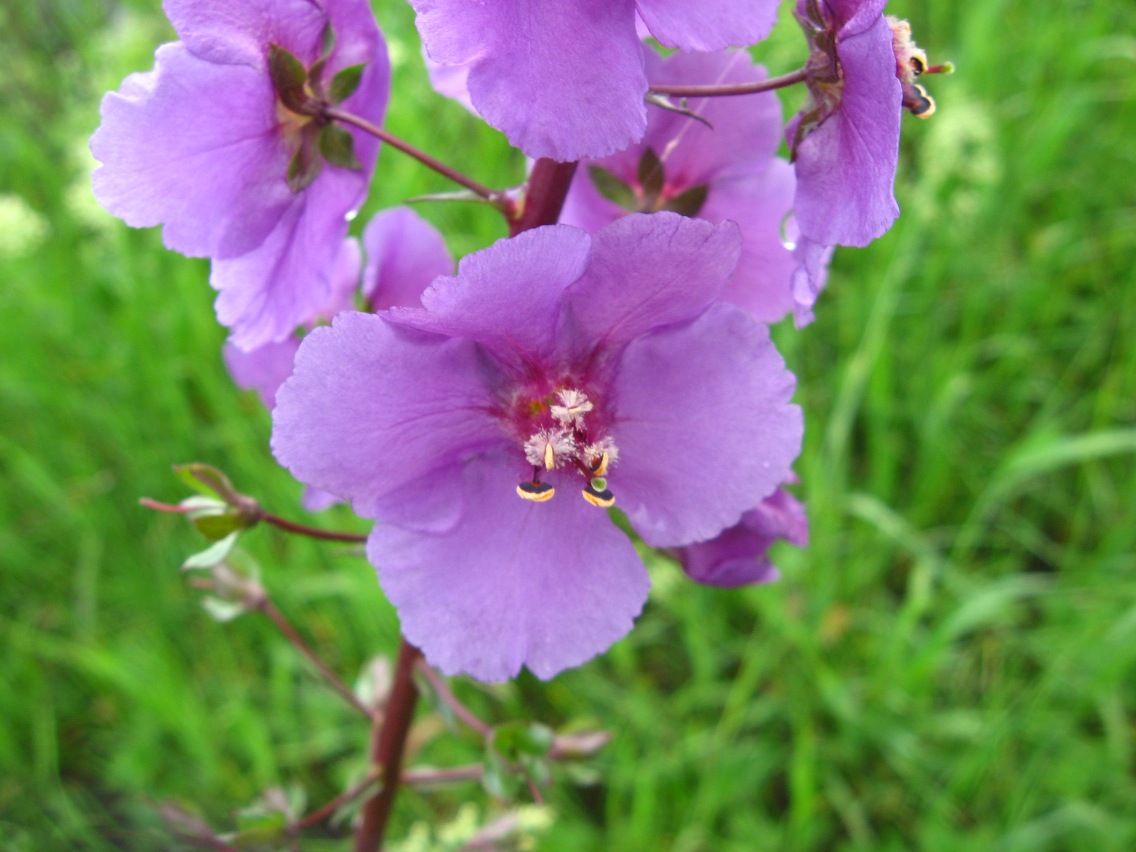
point(489, 431)
point(225, 143)
point(845, 141)
point(566, 79)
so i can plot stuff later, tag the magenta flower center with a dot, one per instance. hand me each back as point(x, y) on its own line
point(562, 430)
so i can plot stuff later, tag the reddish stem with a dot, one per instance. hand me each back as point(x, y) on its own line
point(443, 776)
point(310, 532)
point(723, 90)
point(460, 710)
point(421, 156)
point(388, 740)
point(284, 626)
point(318, 816)
point(544, 196)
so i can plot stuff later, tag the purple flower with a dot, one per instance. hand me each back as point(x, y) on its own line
point(726, 171)
point(739, 555)
point(565, 80)
point(223, 143)
point(845, 142)
point(486, 431)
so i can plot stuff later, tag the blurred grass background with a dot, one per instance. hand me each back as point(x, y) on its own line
point(949, 665)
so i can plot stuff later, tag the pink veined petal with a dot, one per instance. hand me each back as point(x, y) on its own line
point(761, 282)
point(263, 369)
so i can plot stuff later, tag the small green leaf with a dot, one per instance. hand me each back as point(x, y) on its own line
point(217, 527)
point(344, 84)
point(687, 203)
point(327, 41)
point(338, 148)
point(305, 164)
point(612, 188)
point(651, 179)
point(498, 778)
point(212, 555)
point(516, 739)
point(208, 480)
point(288, 79)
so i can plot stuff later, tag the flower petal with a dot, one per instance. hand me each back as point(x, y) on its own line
point(513, 583)
point(229, 33)
point(647, 270)
point(263, 369)
point(846, 167)
point(704, 426)
point(706, 25)
point(506, 297)
point(739, 555)
point(193, 146)
point(371, 408)
point(759, 204)
point(287, 280)
point(561, 80)
point(404, 254)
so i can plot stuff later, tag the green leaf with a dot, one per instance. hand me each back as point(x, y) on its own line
point(613, 189)
point(687, 203)
point(344, 84)
point(338, 148)
point(288, 79)
point(208, 480)
point(651, 178)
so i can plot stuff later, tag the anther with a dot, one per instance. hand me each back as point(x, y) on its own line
point(537, 492)
point(918, 102)
point(598, 497)
point(599, 466)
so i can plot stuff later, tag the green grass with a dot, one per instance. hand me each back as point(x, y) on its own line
point(951, 664)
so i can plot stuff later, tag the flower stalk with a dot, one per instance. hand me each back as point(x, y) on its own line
point(493, 196)
point(388, 741)
point(729, 89)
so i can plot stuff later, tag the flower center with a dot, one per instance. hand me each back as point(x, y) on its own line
point(562, 431)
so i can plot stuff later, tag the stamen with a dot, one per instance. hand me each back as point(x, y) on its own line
point(573, 406)
point(598, 497)
point(599, 467)
point(550, 449)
